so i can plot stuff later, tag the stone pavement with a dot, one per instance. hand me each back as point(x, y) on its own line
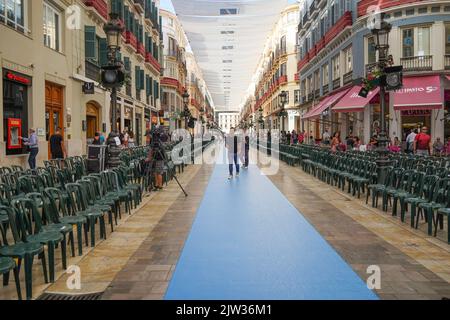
point(413, 265)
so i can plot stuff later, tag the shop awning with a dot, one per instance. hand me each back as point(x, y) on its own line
point(352, 102)
point(324, 105)
point(419, 93)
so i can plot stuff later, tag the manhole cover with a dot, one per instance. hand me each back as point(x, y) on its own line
point(53, 296)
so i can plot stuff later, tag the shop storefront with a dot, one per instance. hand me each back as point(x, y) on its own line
point(15, 111)
point(353, 108)
point(320, 117)
point(421, 103)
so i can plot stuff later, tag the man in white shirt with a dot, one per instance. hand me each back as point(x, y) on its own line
point(410, 141)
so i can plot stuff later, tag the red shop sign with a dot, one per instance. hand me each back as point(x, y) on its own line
point(14, 77)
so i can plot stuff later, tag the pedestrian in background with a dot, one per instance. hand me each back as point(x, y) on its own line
point(410, 141)
point(233, 148)
point(57, 145)
point(422, 143)
point(33, 144)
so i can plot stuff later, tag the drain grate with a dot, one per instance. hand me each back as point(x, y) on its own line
point(67, 297)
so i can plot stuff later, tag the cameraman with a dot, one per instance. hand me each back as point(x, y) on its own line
point(155, 158)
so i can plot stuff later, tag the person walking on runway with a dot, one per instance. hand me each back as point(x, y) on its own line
point(233, 148)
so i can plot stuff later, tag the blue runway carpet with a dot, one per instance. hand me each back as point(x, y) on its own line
point(248, 242)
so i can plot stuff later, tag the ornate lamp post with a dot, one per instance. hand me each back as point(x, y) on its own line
point(282, 100)
point(113, 30)
point(187, 112)
point(381, 37)
point(112, 77)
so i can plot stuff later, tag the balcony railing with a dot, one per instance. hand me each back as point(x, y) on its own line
point(336, 83)
point(422, 63)
point(370, 67)
point(348, 77)
point(310, 96)
point(100, 6)
point(364, 5)
point(140, 6)
point(141, 49)
point(325, 89)
point(92, 70)
point(317, 93)
point(447, 62)
point(131, 39)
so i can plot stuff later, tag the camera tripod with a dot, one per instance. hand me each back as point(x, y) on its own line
point(150, 170)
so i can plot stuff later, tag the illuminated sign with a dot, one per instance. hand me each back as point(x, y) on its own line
point(14, 77)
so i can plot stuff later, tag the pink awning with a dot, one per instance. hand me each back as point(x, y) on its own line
point(317, 110)
point(352, 102)
point(325, 104)
point(419, 93)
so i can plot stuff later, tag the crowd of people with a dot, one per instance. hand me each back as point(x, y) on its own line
point(417, 142)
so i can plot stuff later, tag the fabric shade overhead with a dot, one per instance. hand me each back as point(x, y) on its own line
point(353, 102)
point(227, 38)
point(419, 93)
point(317, 110)
point(325, 104)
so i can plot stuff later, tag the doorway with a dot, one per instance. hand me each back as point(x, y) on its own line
point(53, 111)
point(92, 120)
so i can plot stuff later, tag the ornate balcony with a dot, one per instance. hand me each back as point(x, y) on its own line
point(141, 50)
point(131, 39)
point(370, 67)
point(100, 8)
point(422, 63)
point(341, 24)
point(348, 77)
point(139, 5)
point(92, 70)
point(447, 62)
point(282, 80)
point(325, 89)
point(149, 59)
point(364, 5)
point(336, 83)
point(297, 77)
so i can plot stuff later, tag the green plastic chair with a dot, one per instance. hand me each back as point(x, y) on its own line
point(56, 204)
point(23, 250)
point(436, 200)
point(80, 207)
point(48, 238)
point(6, 266)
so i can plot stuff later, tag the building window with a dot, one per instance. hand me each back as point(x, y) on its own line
point(297, 96)
point(52, 25)
point(335, 63)
point(371, 51)
point(348, 60)
point(325, 75)
point(12, 12)
point(447, 39)
point(408, 42)
point(283, 70)
point(15, 106)
point(423, 41)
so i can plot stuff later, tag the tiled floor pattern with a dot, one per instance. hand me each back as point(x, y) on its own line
point(413, 266)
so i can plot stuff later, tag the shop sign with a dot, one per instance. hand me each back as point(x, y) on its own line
point(17, 78)
point(88, 88)
point(416, 113)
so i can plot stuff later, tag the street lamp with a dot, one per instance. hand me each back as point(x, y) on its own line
point(187, 112)
point(283, 100)
point(381, 38)
point(113, 77)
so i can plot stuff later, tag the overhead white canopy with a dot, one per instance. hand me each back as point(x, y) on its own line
point(227, 38)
